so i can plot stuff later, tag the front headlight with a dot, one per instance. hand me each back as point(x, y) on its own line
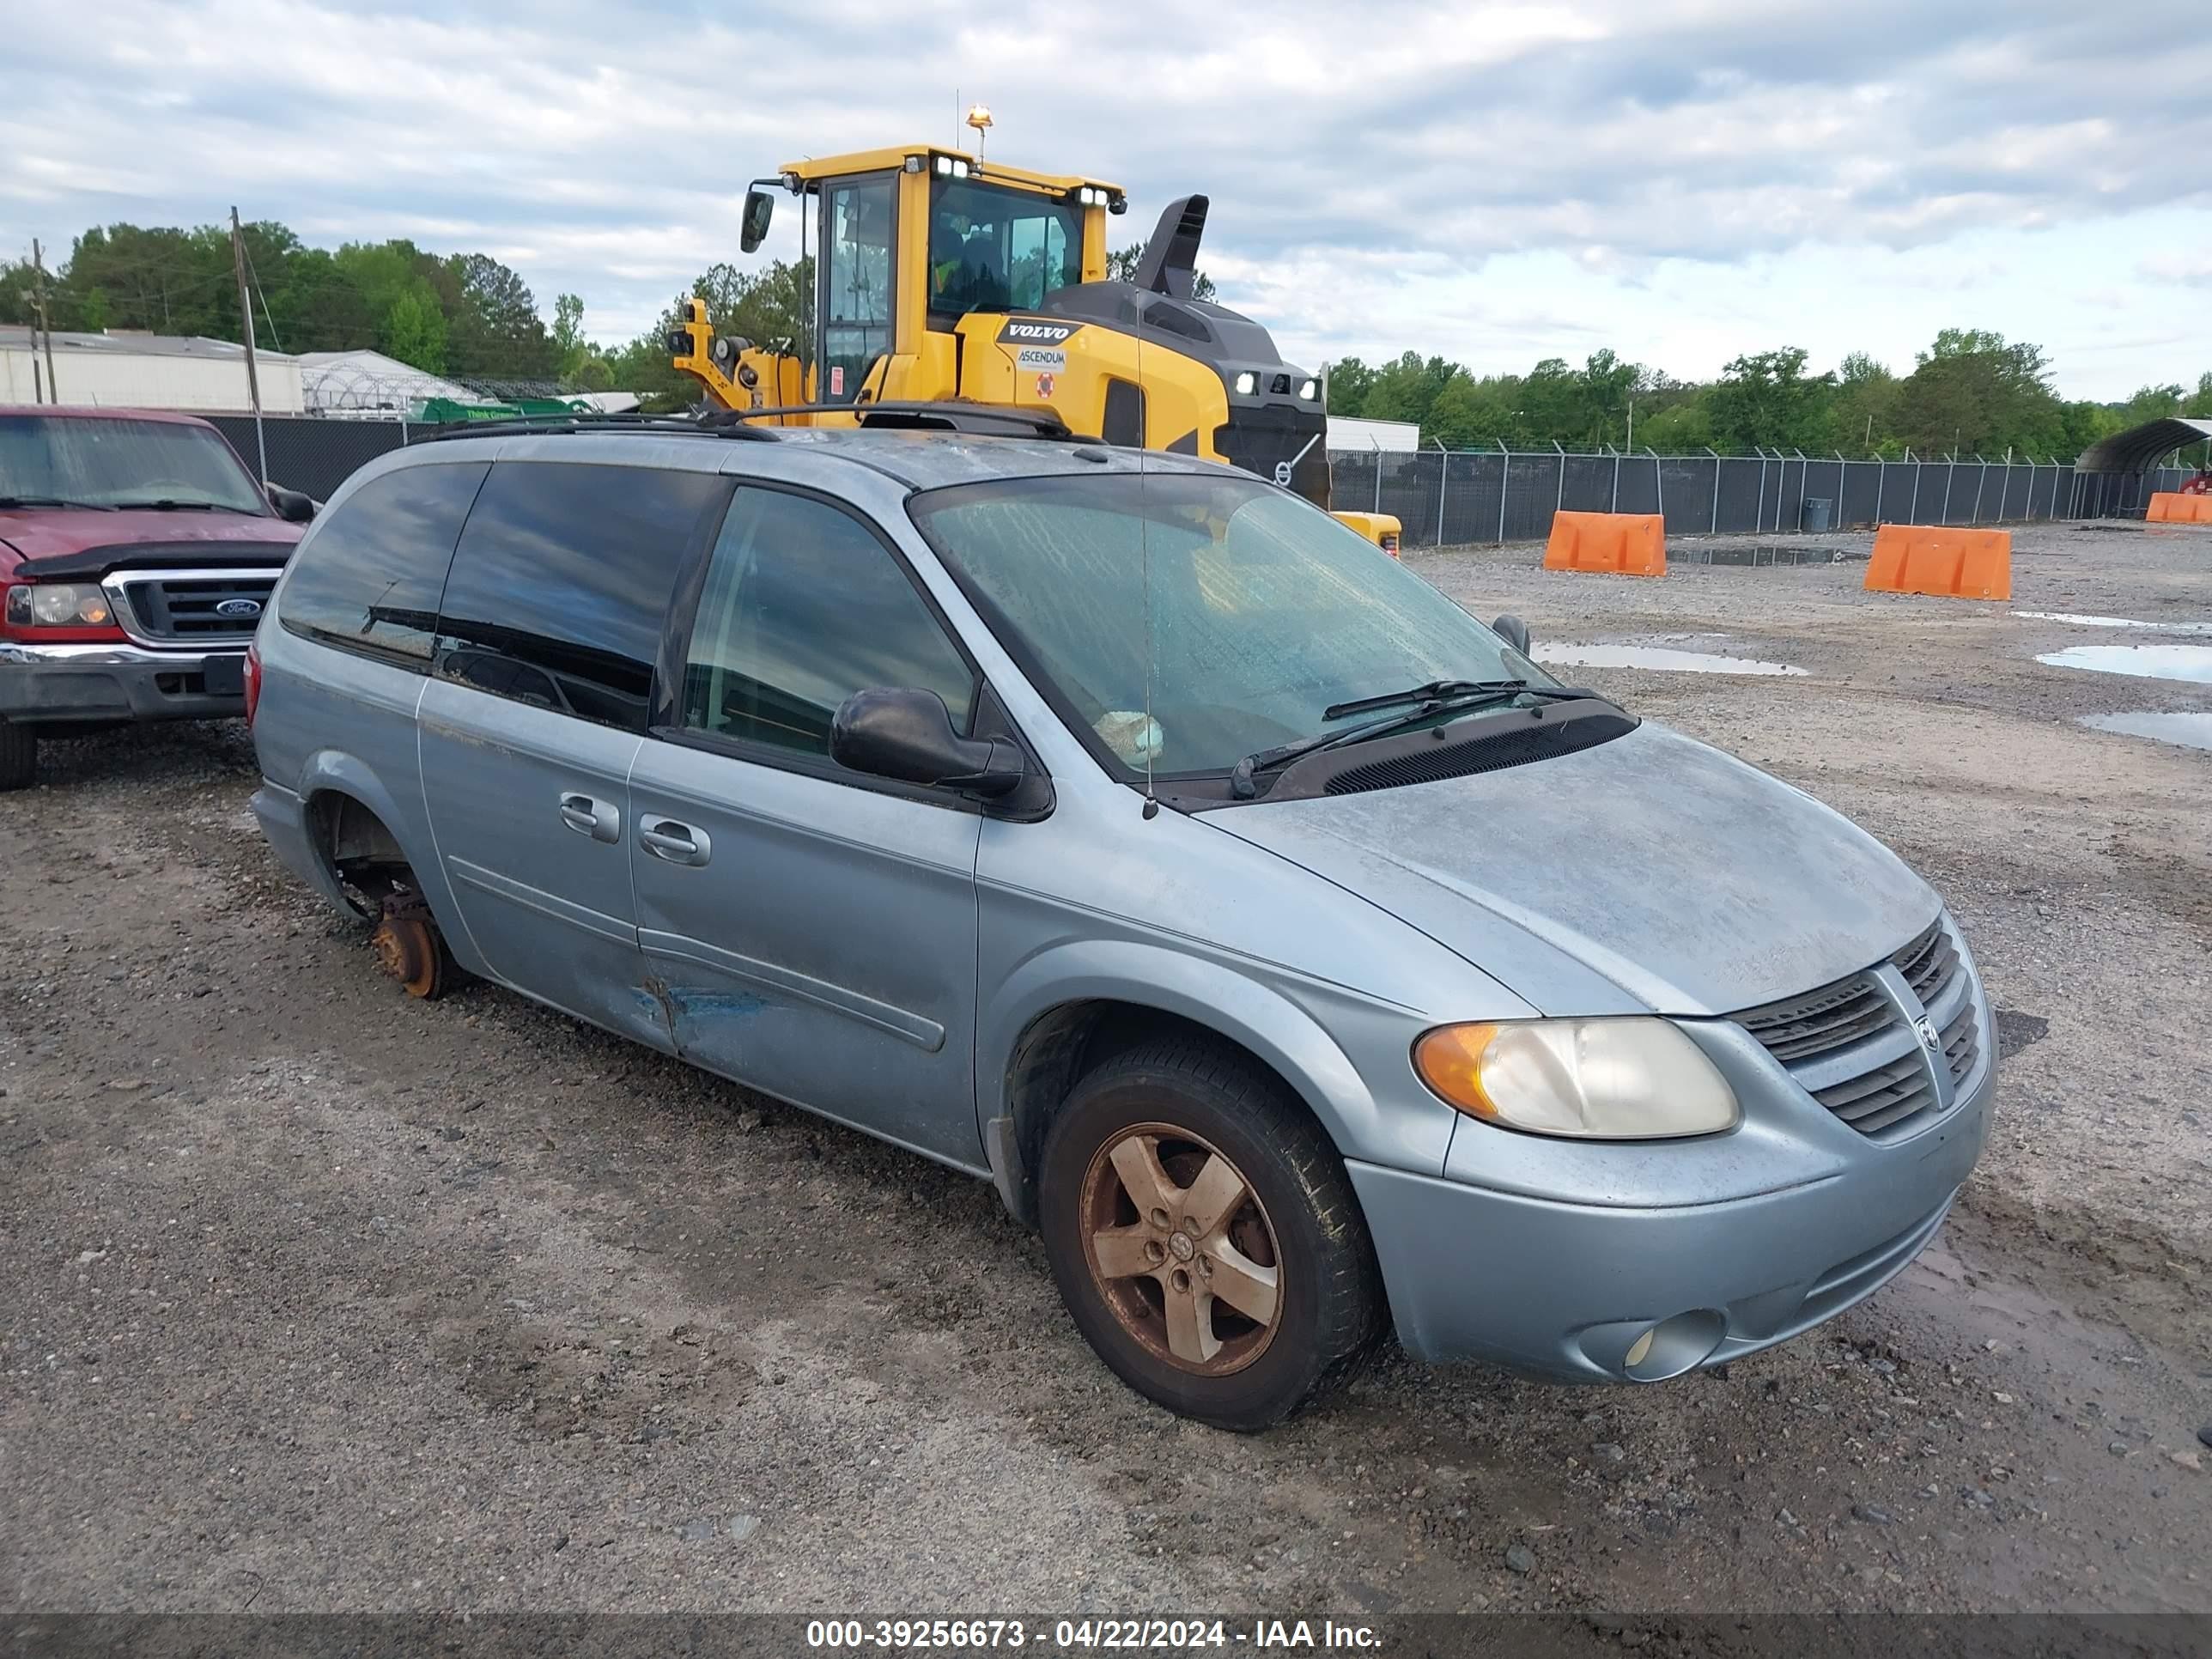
point(1246, 383)
point(58, 605)
point(1606, 1080)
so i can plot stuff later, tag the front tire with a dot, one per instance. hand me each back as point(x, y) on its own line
point(1205, 1238)
point(19, 756)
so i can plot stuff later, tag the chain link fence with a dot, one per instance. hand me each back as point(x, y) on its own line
point(1450, 498)
point(1489, 496)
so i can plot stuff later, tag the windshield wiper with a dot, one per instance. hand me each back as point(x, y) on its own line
point(1466, 697)
point(165, 504)
point(1418, 694)
point(52, 500)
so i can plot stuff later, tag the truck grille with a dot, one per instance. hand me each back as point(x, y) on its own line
point(1802, 1032)
point(192, 607)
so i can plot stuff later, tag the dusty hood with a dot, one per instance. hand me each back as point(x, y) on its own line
point(1649, 873)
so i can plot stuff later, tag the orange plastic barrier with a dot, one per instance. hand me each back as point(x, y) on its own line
point(1624, 544)
point(2172, 507)
point(1951, 564)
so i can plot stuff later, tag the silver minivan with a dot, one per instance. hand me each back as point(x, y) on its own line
point(1285, 944)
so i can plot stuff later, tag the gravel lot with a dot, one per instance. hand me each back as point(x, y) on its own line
point(321, 1299)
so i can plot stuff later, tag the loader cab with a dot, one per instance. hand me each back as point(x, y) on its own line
point(908, 241)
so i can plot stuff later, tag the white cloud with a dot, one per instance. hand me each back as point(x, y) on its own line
point(1682, 179)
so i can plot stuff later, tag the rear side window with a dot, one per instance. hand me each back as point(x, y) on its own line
point(804, 606)
point(560, 587)
point(369, 577)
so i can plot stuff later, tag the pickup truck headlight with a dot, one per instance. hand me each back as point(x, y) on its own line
point(1605, 1080)
point(58, 605)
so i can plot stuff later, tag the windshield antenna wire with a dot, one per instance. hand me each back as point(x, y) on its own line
point(1146, 734)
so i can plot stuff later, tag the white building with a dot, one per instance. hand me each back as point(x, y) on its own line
point(1364, 437)
point(369, 384)
point(122, 368)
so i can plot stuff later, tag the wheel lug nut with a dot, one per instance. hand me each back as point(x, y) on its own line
point(1181, 1280)
point(1154, 1250)
point(1159, 1219)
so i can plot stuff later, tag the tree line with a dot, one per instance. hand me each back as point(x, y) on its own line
point(462, 314)
point(468, 316)
point(1972, 392)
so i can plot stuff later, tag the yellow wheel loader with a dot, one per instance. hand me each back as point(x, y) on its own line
point(938, 276)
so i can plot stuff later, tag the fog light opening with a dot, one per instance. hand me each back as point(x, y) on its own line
point(1674, 1345)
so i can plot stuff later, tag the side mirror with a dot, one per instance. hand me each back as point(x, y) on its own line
point(906, 733)
point(291, 506)
point(1513, 631)
point(752, 227)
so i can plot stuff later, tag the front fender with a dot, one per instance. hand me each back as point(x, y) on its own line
point(1277, 1021)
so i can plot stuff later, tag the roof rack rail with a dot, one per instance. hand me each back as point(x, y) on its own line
point(629, 421)
point(946, 414)
point(949, 415)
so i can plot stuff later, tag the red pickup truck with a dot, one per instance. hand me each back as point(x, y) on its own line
point(136, 552)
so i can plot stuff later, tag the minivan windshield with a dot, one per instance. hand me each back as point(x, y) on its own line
point(68, 461)
point(1264, 612)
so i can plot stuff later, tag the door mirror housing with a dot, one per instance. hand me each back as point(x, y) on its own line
point(752, 227)
point(291, 506)
point(906, 733)
point(1513, 631)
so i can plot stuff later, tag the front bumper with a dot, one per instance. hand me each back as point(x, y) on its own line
point(64, 685)
point(1563, 1290)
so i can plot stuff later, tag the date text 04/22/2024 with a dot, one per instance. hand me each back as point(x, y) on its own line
point(1088, 1633)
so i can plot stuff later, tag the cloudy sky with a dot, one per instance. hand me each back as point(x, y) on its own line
point(1679, 179)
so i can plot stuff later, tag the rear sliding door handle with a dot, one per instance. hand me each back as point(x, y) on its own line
point(677, 842)
point(601, 820)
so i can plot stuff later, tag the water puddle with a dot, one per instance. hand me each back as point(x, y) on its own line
point(2191, 731)
point(1760, 555)
point(2115, 622)
point(2150, 662)
point(1658, 657)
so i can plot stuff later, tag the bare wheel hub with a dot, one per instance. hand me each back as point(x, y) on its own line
point(407, 947)
point(1182, 1249)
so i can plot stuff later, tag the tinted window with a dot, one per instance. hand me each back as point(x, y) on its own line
point(803, 607)
point(561, 583)
point(369, 576)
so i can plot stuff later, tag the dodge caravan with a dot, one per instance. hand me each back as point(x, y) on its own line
point(1296, 955)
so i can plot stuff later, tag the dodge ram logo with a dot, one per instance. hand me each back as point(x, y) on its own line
point(240, 609)
point(1926, 1029)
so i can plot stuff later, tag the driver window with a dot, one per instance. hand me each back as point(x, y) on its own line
point(856, 284)
point(803, 606)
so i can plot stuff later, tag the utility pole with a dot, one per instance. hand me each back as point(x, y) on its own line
point(39, 303)
point(246, 312)
point(1631, 444)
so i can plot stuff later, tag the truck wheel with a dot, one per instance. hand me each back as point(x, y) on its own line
point(1205, 1238)
point(19, 756)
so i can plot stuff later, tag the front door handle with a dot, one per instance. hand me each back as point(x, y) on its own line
point(678, 843)
point(601, 820)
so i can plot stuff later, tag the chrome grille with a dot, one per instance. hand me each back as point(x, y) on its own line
point(1962, 1044)
point(1834, 1017)
point(185, 607)
point(1888, 1094)
point(1812, 1035)
point(1927, 963)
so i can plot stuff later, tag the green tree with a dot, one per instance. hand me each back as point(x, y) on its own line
point(413, 331)
point(1349, 383)
point(1766, 398)
point(1974, 392)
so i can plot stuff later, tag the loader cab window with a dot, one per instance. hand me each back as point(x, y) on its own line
point(995, 249)
point(856, 283)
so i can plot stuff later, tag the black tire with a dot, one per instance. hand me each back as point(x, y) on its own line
point(19, 756)
point(1330, 1312)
